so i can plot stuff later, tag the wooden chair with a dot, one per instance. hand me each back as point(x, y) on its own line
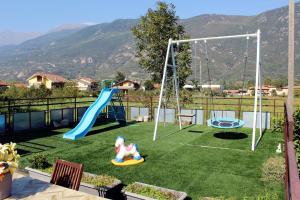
point(67, 174)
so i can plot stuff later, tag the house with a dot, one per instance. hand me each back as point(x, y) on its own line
point(232, 92)
point(267, 90)
point(213, 87)
point(3, 85)
point(87, 84)
point(49, 80)
point(188, 87)
point(127, 85)
point(282, 91)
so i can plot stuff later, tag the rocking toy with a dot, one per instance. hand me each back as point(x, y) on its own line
point(126, 155)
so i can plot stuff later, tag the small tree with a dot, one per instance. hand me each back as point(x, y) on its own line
point(250, 83)
point(268, 81)
point(279, 83)
point(14, 92)
point(43, 91)
point(152, 34)
point(119, 77)
point(70, 89)
point(196, 84)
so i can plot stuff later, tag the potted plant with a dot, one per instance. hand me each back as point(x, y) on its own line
point(8, 164)
point(142, 191)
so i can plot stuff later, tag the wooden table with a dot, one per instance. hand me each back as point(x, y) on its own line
point(24, 187)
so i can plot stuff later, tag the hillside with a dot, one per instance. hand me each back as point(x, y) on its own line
point(14, 38)
point(98, 50)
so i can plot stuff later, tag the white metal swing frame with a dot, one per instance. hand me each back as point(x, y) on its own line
point(258, 81)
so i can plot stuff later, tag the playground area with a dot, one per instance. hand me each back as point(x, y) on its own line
point(202, 161)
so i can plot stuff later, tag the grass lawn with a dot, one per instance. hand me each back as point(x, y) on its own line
point(198, 160)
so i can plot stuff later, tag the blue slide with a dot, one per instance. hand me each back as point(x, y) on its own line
point(91, 114)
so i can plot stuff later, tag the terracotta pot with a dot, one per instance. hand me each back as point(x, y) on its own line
point(5, 186)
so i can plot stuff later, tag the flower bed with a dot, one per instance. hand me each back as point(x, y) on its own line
point(142, 191)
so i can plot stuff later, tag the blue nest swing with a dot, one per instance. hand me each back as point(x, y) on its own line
point(225, 122)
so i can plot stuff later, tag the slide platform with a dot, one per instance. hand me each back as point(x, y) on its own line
point(91, 114)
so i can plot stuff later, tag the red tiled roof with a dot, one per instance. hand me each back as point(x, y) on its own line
point(120, 83)
point(87, 79)
point(3, 83)
point(52, 77)
point(232, 91)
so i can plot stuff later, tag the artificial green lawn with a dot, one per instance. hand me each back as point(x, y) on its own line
point(193, 160)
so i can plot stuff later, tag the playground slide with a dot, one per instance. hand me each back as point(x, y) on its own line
point(91, 114)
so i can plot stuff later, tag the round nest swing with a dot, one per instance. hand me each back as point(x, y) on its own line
point(221, 122)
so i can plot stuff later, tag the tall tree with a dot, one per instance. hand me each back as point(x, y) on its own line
point(152, 34)
point(119, 76)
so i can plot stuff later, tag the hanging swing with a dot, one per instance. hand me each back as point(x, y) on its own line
point(226, 122)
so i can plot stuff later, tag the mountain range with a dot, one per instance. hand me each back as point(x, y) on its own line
point(100, 50)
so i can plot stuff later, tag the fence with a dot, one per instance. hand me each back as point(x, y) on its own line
point(292, 181)
point(17, 115)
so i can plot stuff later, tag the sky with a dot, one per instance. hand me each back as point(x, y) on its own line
point(43, 15)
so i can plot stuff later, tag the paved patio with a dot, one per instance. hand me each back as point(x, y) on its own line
point(24, 187)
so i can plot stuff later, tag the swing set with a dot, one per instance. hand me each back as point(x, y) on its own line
point(215, 121)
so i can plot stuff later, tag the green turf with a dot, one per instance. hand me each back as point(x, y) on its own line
point(198, 160)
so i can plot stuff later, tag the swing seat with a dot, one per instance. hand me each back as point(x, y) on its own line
point(225, 122)
point(186, 115)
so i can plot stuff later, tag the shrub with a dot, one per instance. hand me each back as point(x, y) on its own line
point(39, 161)
point(277, 125)
point(148, 85)
point(273, 170)
point(150, 192)
point(48, 170)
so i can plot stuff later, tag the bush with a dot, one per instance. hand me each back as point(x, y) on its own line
point(148, 85)
point(277, 125)
point(273, 170)
point(39, 161)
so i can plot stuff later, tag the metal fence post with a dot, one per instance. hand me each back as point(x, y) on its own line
point(48, 113)
point(9, 116)
point(151, 108)
point(127, 107)
point(274, 107)
point(75, 110)
point(206, 117)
